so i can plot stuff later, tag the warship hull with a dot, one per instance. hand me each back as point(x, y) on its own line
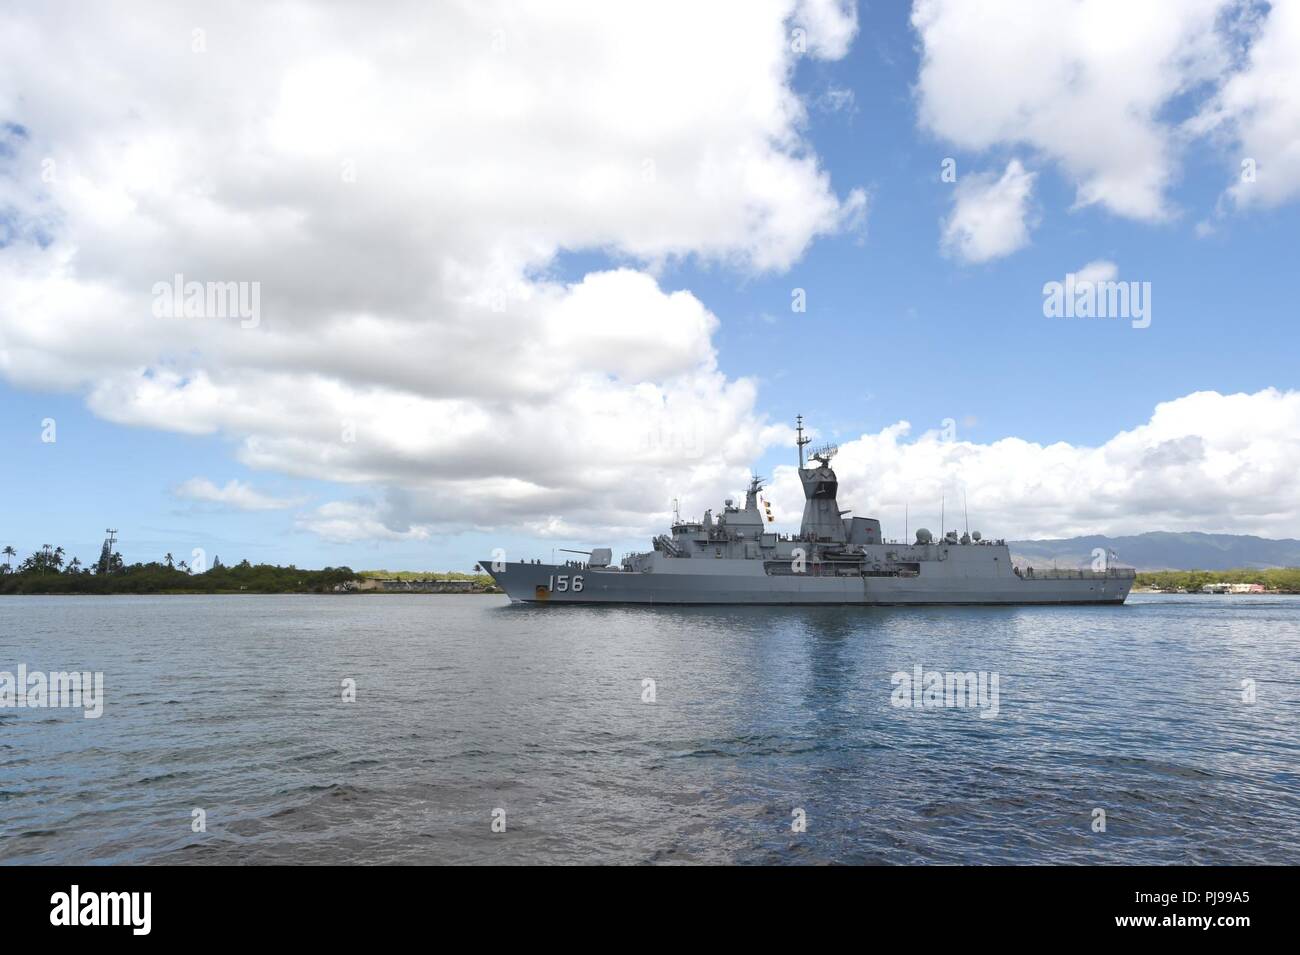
point(715, 584)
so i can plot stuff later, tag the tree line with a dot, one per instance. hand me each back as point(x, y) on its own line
point(45, 571)
point(1285, 579)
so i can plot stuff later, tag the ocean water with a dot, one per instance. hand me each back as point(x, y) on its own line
point(761, 718)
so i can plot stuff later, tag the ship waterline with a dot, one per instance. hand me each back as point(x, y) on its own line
point(832, 560)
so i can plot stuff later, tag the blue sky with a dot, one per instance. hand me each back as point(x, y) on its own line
point(897, 328)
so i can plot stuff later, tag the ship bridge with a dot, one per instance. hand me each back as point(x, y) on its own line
point(823, 520)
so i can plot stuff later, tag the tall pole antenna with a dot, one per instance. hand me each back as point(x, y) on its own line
point(906, 531)
point(942, 502)
point(964, 511)
point(801, 440)
point(106, 554)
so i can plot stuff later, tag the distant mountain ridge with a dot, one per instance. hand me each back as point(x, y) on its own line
point(1164, 550)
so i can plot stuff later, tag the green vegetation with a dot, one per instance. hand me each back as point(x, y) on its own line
point(483, 580)
point(1285, 579)
point(44, 572)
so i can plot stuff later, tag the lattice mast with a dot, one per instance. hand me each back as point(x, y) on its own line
point(106, 554)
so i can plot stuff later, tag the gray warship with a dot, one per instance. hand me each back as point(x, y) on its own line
point(735, 559)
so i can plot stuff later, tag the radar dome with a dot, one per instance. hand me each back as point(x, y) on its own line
point(923, 536)
point(976, 534)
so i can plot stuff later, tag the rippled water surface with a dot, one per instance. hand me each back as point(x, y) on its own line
point(465, 705)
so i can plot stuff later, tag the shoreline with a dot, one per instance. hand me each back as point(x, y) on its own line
point(254, 593)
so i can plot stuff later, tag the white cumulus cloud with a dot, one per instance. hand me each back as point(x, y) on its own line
point(1258, 109)
point(830, 25)
point(1100, 270)
point(234, 494)
point(991, 214)
point(349, 522)
point(1085, 83)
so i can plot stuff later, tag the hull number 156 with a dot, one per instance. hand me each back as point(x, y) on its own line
point(560, 584)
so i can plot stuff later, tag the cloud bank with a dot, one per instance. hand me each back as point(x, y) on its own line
point(400, 191)
point(1205, 462)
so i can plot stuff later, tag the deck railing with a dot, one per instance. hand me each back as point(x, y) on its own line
point(1121, 573)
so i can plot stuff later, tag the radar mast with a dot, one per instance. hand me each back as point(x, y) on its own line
point(825, 453)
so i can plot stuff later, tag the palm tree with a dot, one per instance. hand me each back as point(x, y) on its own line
point(184, 566)
point(57, 559)
point(75, 566)
point(9, 553)
point(169, 560)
